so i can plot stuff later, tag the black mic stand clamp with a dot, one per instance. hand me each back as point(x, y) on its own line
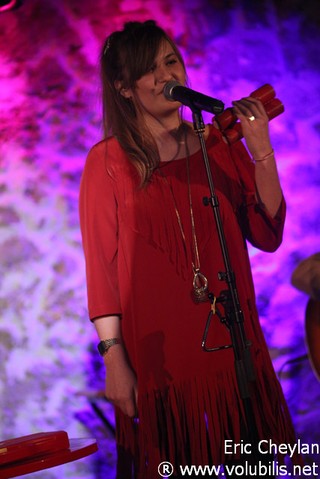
point(233, 316)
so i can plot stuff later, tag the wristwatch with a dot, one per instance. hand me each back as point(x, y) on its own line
point(105, 345)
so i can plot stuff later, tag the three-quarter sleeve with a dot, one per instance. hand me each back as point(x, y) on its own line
point(261, 229)
point(99, 229)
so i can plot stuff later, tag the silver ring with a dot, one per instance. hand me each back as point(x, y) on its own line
point(251, 118)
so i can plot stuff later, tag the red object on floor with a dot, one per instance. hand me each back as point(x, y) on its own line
point(39, 451)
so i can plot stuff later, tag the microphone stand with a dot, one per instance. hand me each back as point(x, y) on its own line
point(233, 316)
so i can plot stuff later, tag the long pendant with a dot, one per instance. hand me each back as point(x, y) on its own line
point(200, 287)
point(200, 291)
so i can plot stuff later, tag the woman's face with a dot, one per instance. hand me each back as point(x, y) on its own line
point(149, 88)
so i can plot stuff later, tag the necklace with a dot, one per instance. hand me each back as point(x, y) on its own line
point(200, 283)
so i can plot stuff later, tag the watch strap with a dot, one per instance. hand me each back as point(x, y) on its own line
point(106, 344)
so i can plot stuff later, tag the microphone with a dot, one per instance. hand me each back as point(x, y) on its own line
point(196, 101)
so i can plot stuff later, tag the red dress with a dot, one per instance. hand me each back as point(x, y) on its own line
point(137, 266)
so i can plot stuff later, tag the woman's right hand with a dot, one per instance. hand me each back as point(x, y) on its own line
point(121, 381)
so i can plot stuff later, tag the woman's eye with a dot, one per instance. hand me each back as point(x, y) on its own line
point(171, 62)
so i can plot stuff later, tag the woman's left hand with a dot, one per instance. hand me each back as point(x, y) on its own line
point(254, 124)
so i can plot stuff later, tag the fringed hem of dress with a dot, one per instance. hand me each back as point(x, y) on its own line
point(188, 422)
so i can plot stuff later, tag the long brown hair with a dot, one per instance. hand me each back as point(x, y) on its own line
point(126, 56)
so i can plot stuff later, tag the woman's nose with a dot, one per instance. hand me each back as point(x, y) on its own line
point(163, 74)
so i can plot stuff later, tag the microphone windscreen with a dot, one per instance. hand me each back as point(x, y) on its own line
point(168, 89)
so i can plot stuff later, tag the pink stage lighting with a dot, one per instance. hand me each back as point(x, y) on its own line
point(7, 4)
